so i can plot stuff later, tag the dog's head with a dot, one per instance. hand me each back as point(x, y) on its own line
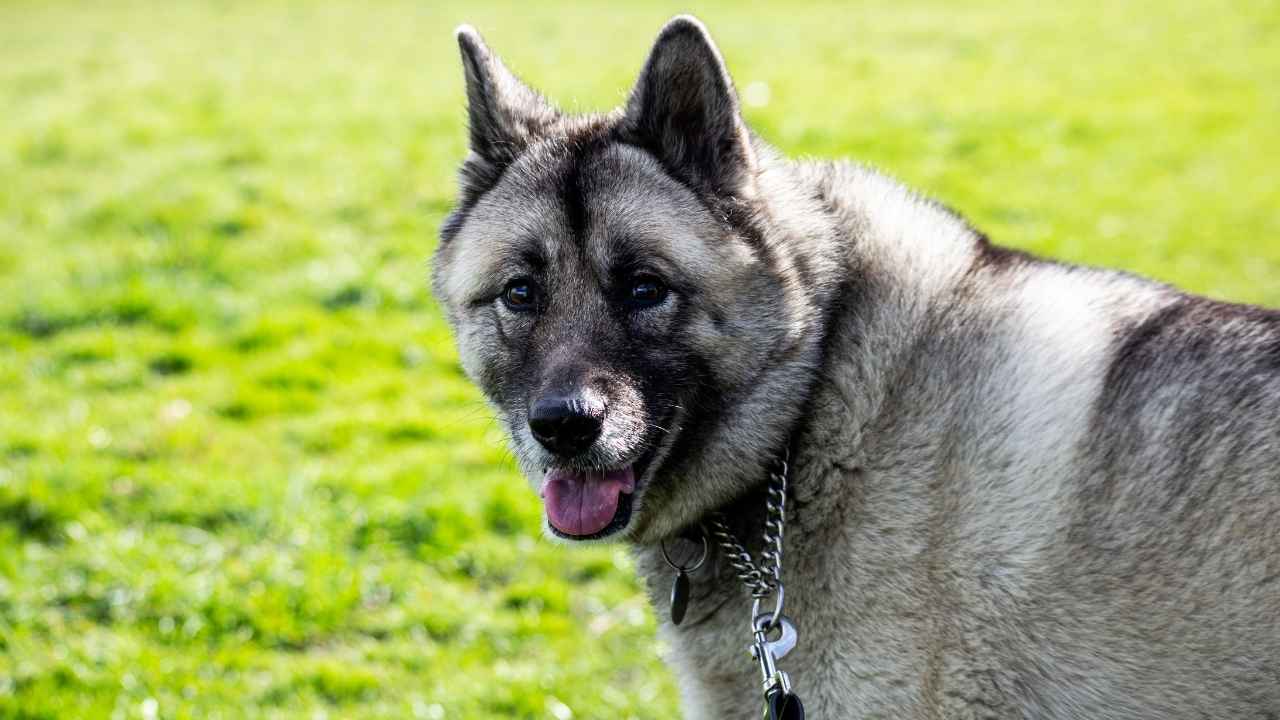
point(617, 293)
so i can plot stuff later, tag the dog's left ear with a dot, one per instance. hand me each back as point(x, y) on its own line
point(684, 110)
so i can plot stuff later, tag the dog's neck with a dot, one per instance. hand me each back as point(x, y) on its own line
point(877, 292)
point(872, 323)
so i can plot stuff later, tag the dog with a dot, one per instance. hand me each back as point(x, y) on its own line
point(1016, 488)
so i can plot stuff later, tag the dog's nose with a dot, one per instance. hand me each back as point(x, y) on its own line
point(566, 424)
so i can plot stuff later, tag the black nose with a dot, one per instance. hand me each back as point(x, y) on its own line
point(566, 424)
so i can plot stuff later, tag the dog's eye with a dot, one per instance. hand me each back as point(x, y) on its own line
point(646, 291)
point(519, 295)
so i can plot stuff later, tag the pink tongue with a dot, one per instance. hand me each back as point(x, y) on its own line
point(583, 503)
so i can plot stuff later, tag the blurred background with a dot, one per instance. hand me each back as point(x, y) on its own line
point(241, 474)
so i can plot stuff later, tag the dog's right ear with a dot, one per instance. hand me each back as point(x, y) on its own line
point(504, 115)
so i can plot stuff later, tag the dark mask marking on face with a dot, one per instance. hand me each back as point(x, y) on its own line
point(573, 199)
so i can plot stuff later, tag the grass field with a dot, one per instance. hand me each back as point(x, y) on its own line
point(241, 474)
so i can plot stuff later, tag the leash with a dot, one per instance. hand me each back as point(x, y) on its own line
point(762, 581)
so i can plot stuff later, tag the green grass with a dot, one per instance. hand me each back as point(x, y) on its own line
point(241, 474)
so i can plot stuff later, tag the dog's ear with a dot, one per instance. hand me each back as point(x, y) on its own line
point(504, 115)
point(684, 110)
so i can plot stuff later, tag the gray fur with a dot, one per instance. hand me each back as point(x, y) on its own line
point(1021, 489)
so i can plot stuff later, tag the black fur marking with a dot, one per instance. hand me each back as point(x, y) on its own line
point(1138, 352)
point(573, 196)
point(717, 318)
point(1186, 379)
point(531, 256)
point(804, 270)
point(1271, 355)
point(453, 223)
point(742, 218)
point(703, 403)
point(476, 178)
point(997, 258)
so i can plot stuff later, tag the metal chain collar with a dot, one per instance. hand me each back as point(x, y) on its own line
point(764, 578)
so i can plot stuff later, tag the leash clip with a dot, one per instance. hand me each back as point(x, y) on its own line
point(780, 703)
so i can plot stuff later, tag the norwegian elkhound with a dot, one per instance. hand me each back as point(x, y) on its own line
point(1017, 488)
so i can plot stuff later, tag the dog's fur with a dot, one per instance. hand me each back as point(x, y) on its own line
point(1020, 488)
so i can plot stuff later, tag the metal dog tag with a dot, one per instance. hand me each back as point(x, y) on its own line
point(679, 596)
point(680, 585)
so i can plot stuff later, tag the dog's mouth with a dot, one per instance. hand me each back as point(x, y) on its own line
point(594, 504)
point(588, 504)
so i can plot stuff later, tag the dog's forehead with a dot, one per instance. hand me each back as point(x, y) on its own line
point(582, 211)
point(615, 204)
